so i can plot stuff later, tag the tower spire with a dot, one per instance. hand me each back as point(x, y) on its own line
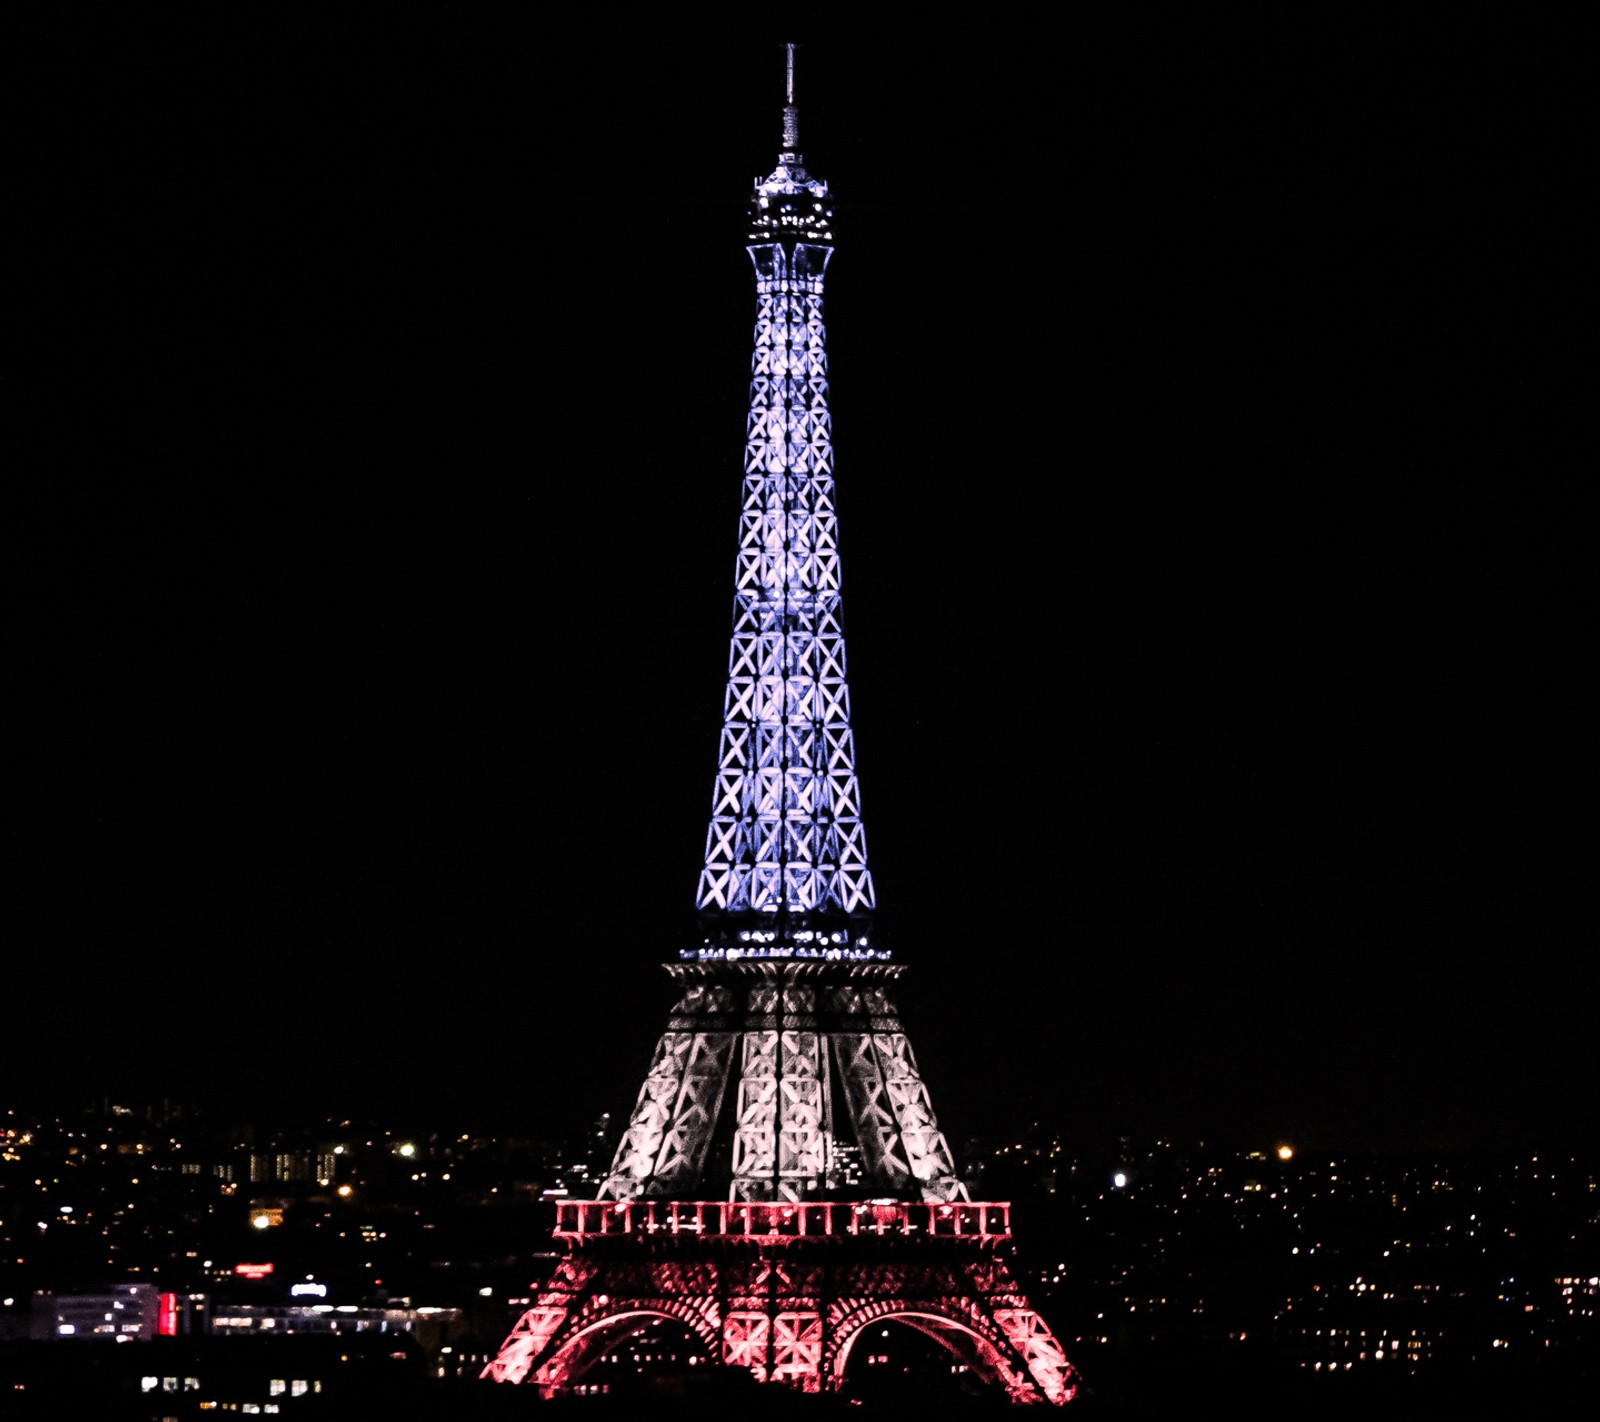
point(786, 854)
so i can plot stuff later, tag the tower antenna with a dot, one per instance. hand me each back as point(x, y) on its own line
point(791, 115)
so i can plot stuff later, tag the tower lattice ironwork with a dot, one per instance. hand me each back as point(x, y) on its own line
point(782, 1181)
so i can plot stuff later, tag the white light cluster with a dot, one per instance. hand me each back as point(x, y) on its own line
point(784, 950)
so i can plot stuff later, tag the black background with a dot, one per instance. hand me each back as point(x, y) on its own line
point(1209, 509)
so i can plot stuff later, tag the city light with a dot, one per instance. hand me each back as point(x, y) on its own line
point(1423, 1251)
point(1286, 1152)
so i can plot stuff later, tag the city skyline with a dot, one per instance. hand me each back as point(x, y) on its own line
point(1421, 1280)
point(1213, 678)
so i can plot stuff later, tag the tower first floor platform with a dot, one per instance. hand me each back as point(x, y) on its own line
point(785, 1290)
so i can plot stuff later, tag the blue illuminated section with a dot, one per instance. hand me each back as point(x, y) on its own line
point(786, 854)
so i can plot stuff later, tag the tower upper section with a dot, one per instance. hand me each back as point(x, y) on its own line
point(789, 205)
point(786, 858)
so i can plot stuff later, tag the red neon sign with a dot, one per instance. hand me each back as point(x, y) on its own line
point(167, 1318)
point(252, 1271)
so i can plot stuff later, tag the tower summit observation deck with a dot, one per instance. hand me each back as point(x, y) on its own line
point(782, 1182)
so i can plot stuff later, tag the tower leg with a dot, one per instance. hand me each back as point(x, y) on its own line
point(1030, 1335)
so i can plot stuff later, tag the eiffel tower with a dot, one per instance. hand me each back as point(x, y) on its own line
point(782, 1182)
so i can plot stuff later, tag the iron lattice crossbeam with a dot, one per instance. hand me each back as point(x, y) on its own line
point(781, 1063)
point(786, 832)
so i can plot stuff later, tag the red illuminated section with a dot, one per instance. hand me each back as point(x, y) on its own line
point(582, 1219)
point(252, 1271)
point(167, 1316)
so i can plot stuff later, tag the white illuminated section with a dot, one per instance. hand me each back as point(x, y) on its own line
point(1119, 1180)
point(786, 832)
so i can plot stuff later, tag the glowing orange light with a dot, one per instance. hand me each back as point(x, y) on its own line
point(344, 1190)
point(1286, 1152)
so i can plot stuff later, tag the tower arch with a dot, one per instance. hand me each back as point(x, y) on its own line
point(961, 1330)
point(596, 1332)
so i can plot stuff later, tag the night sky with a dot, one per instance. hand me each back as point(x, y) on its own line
point(1213, 564)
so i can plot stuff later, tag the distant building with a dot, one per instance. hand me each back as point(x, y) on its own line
point(124, 1312)
point(356, 1377)
point(242, 1320)
point(287, 1167)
